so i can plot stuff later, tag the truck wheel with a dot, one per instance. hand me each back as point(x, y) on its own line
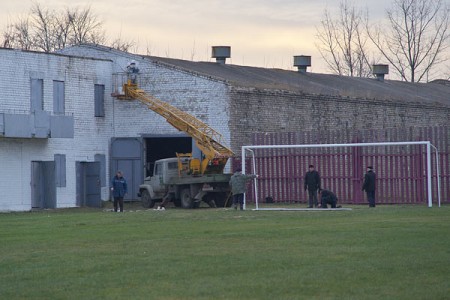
point(146, 200)
point(186, 200)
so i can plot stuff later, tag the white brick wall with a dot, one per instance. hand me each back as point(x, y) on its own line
point(91, 134)
point(202, 97)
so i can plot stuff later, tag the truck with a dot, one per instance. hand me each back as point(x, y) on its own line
point(184, 180)
point(184, 190)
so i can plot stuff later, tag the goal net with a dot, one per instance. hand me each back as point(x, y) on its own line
point(404, 172)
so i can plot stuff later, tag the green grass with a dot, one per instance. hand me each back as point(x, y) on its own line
point(390, 252)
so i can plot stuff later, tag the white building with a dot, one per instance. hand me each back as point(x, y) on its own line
point(62, 134)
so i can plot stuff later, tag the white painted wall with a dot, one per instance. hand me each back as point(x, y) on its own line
point(204, 98)
point(91, 134)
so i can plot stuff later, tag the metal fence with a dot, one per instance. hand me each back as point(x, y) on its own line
point(401, 170)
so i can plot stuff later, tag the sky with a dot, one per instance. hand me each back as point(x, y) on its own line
point(262, 33)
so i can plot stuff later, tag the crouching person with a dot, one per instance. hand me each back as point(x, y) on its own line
point(327, 197)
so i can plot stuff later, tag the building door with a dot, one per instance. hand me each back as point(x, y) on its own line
point(43, 184)
point(88, 184)
point(126, 156)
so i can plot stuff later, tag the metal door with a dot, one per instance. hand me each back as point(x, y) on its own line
point(126, 156)
point(88, 184)
point(37, 188)
point(43, 184)
point(92, 184)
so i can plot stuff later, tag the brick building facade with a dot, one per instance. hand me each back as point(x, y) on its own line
point(236, 101)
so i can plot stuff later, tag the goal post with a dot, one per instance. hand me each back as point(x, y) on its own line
point(250, 149)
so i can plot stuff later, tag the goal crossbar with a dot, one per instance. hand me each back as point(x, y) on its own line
point(428, 145)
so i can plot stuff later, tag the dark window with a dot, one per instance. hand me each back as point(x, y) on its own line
point(37, 94)
point(172, 165)
point(99, 98)
point(158, 169)
point(58, 97)
point(60, 170)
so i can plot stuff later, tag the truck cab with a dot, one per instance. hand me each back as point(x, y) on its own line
point(163, 171)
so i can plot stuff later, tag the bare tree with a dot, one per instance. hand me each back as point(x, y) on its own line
point(416, 38)
point(44, 28)
point(18, 35)
point(122, 45)
point(86, 28)
point(63, 29)
point(48, 30)
point(342, 42)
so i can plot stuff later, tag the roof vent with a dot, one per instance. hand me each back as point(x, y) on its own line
point(380, 71)
point(221, 53)
point(302, 62)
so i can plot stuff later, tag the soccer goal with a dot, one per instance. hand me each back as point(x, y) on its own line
point(404, 171)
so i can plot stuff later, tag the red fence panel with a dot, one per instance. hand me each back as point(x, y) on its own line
point(401, 170)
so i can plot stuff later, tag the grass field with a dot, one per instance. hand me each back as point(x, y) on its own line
point(390, 252)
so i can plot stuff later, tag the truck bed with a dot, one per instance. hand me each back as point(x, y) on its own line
point(209, 178)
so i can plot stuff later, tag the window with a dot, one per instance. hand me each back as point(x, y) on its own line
point(158, 169)
point(58, 97)
point(37, 94)
point(60, 170)
point(172, 165)
point(99, 99)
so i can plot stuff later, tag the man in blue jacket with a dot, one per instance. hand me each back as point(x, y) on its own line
point(119, 189)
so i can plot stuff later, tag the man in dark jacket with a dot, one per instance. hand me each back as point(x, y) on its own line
point(312, 184)
point(369, 185)
point(119, 188)
point(328, 197)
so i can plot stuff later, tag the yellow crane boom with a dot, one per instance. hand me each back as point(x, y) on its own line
point(209, 141)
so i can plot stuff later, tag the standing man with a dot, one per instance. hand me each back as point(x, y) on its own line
point(119, 189)
point(238, 187)
point(312, 184)
point(369, 185)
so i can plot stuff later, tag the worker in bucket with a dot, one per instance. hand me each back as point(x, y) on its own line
point(132, 71)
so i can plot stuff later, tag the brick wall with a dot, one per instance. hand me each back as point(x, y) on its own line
point(235, 112)
point(254, 110)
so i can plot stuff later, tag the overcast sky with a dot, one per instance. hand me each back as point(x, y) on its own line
point(264, 33)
